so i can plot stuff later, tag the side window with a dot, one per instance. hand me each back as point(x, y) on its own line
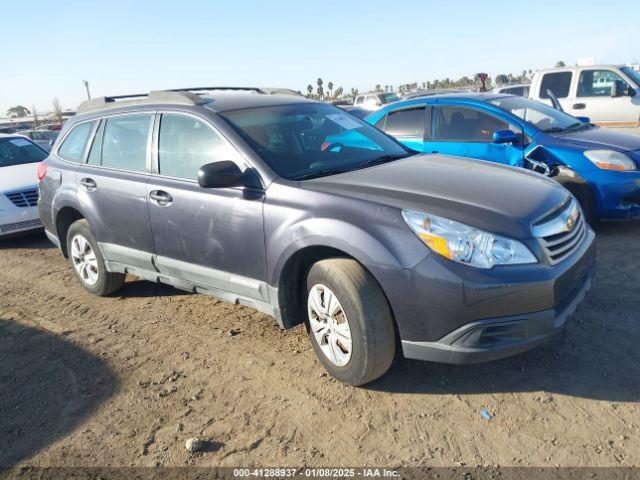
point(380, 124)
point(95, 153)
point(187, 143)
point(406, 123)
point(125, 141)
point(359, 100)
point(597, 83)
point(466, 125)
point(558, 82)
point(72, 148)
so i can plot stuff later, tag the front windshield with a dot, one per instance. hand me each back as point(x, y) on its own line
point(634, 74)
point(310, 140)
point(19, 150)
point(389, 97)
point(538, 114)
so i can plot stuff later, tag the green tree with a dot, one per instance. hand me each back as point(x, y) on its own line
point(378, 89)
point(560, 64)
point(502, 79)
point(18, 111)
point(330, 88)
point(320, 90)
point(309, 90)
point(339, 92)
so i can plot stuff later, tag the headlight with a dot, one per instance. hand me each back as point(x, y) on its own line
point(464, 244)
point(610, 160)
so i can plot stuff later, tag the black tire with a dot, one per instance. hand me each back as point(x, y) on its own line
point(107, 282)
point(368, 315)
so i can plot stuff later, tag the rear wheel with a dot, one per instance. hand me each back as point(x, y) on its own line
point(87, 262)
point(349, 321)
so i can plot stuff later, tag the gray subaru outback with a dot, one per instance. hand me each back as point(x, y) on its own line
point(304, 212)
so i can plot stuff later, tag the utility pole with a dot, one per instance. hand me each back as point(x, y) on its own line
point(86, 85)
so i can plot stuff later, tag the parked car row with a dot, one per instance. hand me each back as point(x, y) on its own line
point(305, 212)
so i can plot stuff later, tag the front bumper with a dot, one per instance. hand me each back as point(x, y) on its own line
point(617, 194)
point(14, 220)
point(496, 338)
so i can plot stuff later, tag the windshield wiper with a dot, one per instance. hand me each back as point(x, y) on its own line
point(380, 160)
point(320, 173)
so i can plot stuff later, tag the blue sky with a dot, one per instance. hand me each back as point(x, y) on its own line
point(135, 46)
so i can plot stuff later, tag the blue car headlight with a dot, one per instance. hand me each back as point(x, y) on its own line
point(610, 160)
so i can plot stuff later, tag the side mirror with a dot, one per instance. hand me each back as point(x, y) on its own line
point(619, 88)
point(505, 137)
point(221, 174)
point(584, 119)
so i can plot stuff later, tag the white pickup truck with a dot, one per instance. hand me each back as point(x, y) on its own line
point(609, 95)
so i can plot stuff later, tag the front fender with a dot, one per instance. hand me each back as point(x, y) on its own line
point(333, 233)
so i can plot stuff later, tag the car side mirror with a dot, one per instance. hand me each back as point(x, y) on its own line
point(221, 174)
point(584, 119)
point(505, 137)
point(619, 88)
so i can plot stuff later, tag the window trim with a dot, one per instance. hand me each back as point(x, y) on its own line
point(155, 158)
point(434, 122)
point(597, 70)
point(92, 132)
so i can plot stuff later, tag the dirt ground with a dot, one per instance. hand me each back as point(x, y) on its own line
point(125, 380)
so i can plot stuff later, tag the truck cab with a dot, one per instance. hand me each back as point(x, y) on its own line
point(606, 94)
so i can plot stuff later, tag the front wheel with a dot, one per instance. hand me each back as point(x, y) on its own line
point(350, 323)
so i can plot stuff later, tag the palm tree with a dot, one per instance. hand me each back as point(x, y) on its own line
point(309, 90)
point(320, 89)
point(378, 88)
point(339, 91)
point(330, 88)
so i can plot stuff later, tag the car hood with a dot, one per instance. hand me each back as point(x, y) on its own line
point(16, 177)
point(599, 138)
point(493, 197)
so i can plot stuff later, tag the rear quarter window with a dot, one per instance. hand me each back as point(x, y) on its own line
point(558, 82)
point(73, 146)
point(406, 123)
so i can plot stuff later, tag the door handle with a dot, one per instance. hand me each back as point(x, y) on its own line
point(579, 106)
point(161, 197)
point(89, 184)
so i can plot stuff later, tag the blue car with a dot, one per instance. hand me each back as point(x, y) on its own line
point(599, 166)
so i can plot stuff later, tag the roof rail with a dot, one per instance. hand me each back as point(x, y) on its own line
point(204, 89)
point(183, 97)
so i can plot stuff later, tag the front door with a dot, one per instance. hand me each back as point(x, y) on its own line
point(112, 188)
point(594, 100)
point(468, 132)
point(210, 237)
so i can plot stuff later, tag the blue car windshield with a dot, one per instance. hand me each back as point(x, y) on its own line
point(19, 150)
point(540, 115)
point(308, 140)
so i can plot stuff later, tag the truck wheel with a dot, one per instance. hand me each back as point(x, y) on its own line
point(87, 262)
point(349, 321)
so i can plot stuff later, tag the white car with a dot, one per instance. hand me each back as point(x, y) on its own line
point(608, 95)
point(521, 89)
point(19, 159)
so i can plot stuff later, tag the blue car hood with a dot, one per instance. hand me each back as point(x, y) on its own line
point(601, 138)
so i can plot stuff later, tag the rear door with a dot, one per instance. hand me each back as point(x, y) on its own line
point(409, 125)
point(594, 100)
point(466, 131)
point(112, 188)
point(213, 237)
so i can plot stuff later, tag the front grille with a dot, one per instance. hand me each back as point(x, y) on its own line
point(562, 232)
point(19, 226)
point(24, 198)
